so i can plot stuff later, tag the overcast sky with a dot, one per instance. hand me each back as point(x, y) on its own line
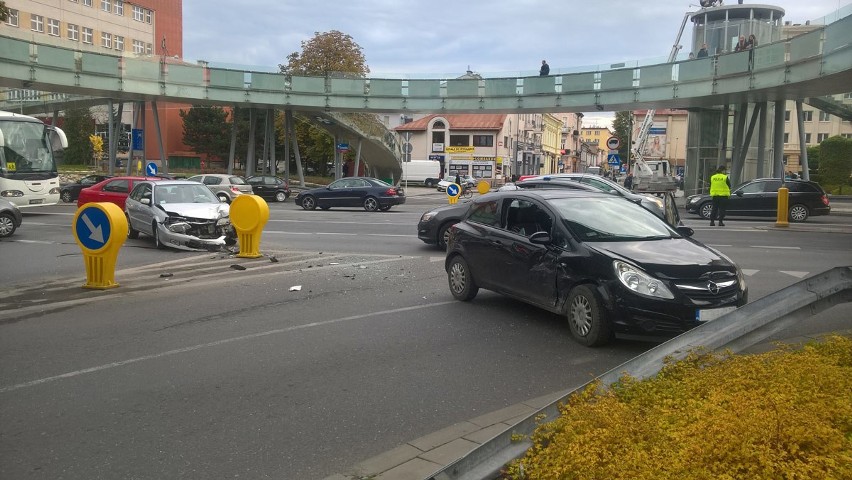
point(411, 37)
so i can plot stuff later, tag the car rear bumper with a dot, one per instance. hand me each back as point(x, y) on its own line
point(391, 201)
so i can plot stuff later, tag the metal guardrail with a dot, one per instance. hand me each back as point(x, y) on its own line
point(735, 331)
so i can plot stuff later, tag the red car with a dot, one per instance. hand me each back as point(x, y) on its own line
point(113, 190)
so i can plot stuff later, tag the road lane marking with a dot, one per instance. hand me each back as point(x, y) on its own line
point(776, 248)
point(795, 274)
point(749, 273)
point(224, 341)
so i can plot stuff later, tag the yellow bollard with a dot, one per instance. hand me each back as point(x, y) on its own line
point(249, 214)
point(483, 187)
point(783, 207)
point(100, 229)
point(453, 193)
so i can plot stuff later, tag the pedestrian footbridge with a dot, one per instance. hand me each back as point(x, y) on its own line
point(811, 65)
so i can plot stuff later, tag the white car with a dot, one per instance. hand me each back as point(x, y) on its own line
point(180, 214)
point(467, 180)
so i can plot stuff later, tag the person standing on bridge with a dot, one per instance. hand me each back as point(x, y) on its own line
point(545, 69)
point(702, 53)
point(720, 191)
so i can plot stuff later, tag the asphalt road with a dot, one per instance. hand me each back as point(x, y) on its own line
point(213, 372)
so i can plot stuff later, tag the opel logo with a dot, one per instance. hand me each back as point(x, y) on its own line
point(713, 288)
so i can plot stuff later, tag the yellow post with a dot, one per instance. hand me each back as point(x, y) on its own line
point(249, 214)
point(783, 207)
point(453, 193)
point(100, 229)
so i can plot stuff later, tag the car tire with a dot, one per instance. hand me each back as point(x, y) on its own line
point(385, 208)
point(705, 210)
point(462, 285)
point(132, 233)
point(309, 202)
point(586, 318)
point(7, 224)
point(443, 234)
point(156, 234)
point(429, 184)
point(280, 196)
point(325, 208)
point(65, 196)
point(224, 198)
point(799, 213)
point(371, 204)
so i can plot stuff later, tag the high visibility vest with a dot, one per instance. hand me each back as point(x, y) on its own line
point(719, 186)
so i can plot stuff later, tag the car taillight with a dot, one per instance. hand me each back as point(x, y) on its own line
point(235, 189)
point(391, 191)
point(825, 200)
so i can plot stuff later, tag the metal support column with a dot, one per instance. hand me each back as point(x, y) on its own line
point(746, 142)
point(778, 141)
point(761, 140)
point(357, 171)
point(803, 147)
point(164, 164)
point(110, 138)
point(273, 139)
point(250, 157)
point(233, 151)
point(737, 156)
point(288, 116)
point(723, 135)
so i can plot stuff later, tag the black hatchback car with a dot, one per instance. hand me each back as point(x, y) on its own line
point(269, 187)
point(609, 265)
point(370, 193)
point(759, 198)
point(69, 192)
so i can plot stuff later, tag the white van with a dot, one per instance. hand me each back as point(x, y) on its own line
point(426, 172)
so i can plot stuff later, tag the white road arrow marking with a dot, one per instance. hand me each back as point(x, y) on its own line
point(795, 274)
point(97, 232)
point(749, 273)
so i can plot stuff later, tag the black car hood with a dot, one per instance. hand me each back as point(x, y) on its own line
point(668, 258)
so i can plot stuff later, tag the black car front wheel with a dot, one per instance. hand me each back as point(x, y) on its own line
point(66, 196)
point(309, 202)
point(705, 210)
point(444, 234)
point(462, 285)
point(588, 321)
point(799, 213)
point(280, 196)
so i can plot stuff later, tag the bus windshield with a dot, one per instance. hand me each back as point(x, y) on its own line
point(26, 152)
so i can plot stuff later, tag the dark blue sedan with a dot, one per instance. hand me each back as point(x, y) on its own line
point(370, 193)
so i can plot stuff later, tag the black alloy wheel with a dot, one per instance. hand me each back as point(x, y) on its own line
point(309, 202)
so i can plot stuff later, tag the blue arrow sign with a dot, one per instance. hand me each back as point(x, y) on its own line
point(613, 159)
point(92, 228)
point(452, 190)
point(151, 169)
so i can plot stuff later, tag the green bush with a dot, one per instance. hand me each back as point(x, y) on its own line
point(785, 414)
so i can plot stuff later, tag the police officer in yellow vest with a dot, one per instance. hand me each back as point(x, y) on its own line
point(720, 190)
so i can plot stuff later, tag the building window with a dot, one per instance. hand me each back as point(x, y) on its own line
point(75, 1)
point(87, 3)
point(459, 140)
point(12, 21)
point(53, 27)
point(73, 32)
point(88, 35)
point(37, 23)
point(149, 49)
point(483, 140)
point(106, 40)
point(824, 117)
point(808, 115)
point(821, 137)
point(106, 5)
point(119, 43)
point(138, 13)
point(118, 8)
point(138, 47)
point(786, 115)
point(148, 16)
point(786, 138)
point(807, 138)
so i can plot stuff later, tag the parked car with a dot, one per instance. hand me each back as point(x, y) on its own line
point(759, 198)
point(650, 202)
point(611, 266)
point(69, 192)
point(10, 218)
point(434, 225)
point(370, 193)
point(226, 187)
point(179, 214)
point(465, 181)
point(269, 186)
point(115, 190)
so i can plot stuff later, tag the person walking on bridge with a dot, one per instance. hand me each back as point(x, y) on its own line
point(720, 191)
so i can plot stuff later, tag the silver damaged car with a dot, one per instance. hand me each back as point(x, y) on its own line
point(179, 214)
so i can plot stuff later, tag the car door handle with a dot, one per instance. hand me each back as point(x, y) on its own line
point(495, 242)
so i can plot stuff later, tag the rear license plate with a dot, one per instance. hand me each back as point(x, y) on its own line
point(36, 201)
point(712, 313)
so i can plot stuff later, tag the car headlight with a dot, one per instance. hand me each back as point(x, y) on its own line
point(428, 216)
point(223, 221)
point(640, 282)
point(692, 200)
point(178, 227)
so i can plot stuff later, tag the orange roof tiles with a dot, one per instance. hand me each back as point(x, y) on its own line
point(475, 121)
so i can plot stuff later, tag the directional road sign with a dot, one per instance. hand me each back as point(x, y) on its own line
point(151, 169)
point(93, 228)
point(613, 159)
point(612, 143)
point(453, 190)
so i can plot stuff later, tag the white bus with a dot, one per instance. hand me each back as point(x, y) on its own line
point(28, 174)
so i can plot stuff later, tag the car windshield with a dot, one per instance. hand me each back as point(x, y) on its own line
point(183, 193)
point(602, 219)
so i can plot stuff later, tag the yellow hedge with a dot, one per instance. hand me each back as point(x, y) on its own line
point(785, 414)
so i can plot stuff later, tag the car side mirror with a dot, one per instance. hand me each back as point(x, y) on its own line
point(739, 193)
point(541, 238)
point(145, 200)
point(685, 231)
